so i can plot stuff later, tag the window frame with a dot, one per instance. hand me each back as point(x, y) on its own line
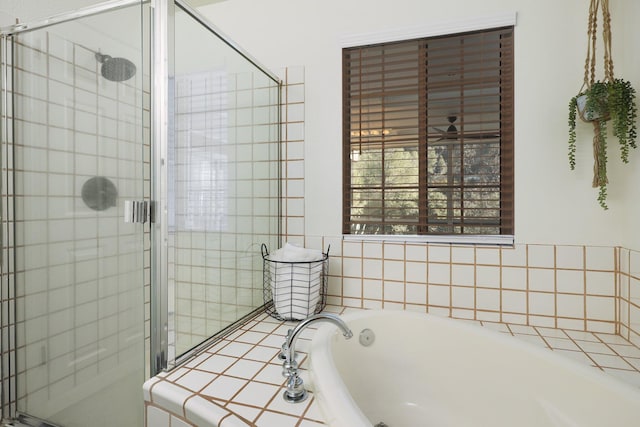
point(452, 28)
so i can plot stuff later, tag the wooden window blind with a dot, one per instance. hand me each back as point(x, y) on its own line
point(428, 136)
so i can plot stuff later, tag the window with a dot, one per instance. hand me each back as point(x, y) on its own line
point(428, 136)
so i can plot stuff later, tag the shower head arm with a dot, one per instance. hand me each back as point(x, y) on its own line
point(101, 58)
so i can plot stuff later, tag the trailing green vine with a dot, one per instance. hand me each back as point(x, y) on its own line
point(600, 179)
point(615, 100)
point(624, 113)
point(573, 107)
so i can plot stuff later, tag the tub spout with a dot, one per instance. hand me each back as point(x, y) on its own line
point(295, 391)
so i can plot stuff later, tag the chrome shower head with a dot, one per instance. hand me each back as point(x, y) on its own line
point(115, 69)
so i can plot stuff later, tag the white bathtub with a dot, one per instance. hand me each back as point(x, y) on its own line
point(425, 370)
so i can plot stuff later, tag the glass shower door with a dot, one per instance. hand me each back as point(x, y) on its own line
point(78, 154)
point(223, 182)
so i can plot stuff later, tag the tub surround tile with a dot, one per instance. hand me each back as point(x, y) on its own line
point(542, 256)
point(272, 419)
point(416, 253)
point(247, 412)
point(246, 389)
point(565, 286)
point(177, 422)
point(256, 394)
point(157, 417)
point(570, 257)
point(216, 363)
point(224, 387)
point(372, 250)
point(202, 412)
point(170, 396)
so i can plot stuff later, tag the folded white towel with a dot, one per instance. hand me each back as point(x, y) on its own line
point(293, 253)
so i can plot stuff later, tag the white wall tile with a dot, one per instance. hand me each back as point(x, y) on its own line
point(438, 295)
point(462, 297)
point(156, 417)
point(416, 272)
point(516, 256)
point(439, 273)
point(542, 303)
point(416, 253)
point(462, 275)
point(541, 280)
point(541, 256)
point(372, 268)
point(600, 258)
point(295, 93)
point(295, 75)
point(488, 276)
point(438, 253)
point(514, 278)
point(295, 132)
point(372, 289)
point(488, 299)
point(600, 283)
point(600, 308)
point(634, 263)
point(393, 270)
point(487, 256)
point(352, 287)
point(416, 293)
point(394, 251)
point(394, 291)
point(514, 302)
point(570, 281)
point(462, 255)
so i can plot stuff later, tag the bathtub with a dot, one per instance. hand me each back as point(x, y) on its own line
point(417, 370)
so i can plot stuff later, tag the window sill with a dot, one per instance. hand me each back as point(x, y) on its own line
point(506, 240)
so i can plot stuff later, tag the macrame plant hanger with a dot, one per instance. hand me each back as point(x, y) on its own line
point(599, 149)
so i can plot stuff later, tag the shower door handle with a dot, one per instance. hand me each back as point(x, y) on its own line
point(137, 211)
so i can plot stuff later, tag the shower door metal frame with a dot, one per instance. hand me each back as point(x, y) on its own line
point(8, 394)
point(7, 277)
point(161, 121)
point(68, 16)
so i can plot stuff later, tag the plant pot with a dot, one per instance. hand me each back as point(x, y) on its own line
point(590, 114)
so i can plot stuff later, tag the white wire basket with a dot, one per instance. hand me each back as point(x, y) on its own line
point(294, 290)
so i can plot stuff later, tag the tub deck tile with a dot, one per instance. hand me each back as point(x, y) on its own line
point(245, 372)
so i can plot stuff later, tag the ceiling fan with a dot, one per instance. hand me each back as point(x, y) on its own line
point(451, 133)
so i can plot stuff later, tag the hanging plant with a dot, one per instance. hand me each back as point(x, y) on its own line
point(600, 101)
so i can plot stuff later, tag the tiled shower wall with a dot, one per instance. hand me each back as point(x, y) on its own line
point(70, 126)
point(590, 288)
point(223, 165)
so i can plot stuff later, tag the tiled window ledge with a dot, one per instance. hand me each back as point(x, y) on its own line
point(238, 381)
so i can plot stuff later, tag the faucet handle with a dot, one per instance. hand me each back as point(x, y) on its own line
point(284, 349)
point(289, 367)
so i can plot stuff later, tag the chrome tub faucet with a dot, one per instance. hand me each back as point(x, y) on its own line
point(295, 391)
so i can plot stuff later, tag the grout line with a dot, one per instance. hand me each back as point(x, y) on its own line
point(555, 285)
point(584, 284)
point(527, 290)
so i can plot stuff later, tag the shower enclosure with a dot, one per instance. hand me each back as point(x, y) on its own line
point(140, 174)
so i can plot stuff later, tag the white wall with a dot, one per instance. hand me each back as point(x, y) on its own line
point(550, 50)
point(627, 63)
